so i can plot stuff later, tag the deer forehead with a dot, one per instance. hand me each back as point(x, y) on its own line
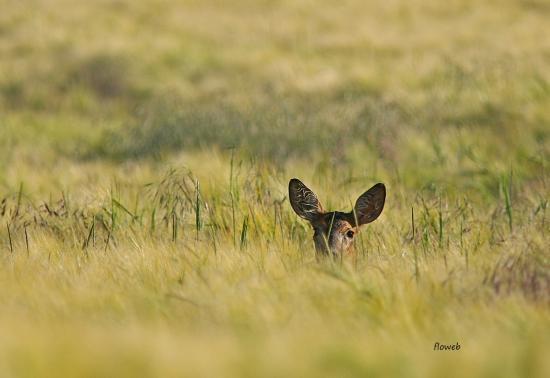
point(335, 221)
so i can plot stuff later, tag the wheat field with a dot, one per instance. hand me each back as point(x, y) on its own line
point(145, 153)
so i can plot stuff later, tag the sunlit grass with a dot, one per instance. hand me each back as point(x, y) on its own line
point(145, 152)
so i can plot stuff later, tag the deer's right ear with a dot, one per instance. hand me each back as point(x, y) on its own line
point(370, 204)
point(304, 202)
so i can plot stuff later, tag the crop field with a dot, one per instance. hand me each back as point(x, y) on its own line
point(145, 153)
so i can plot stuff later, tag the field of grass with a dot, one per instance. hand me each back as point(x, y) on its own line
point(145, 153)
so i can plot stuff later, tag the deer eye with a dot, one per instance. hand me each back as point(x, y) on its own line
point(350, 234)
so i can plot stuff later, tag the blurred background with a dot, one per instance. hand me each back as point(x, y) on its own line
point(457, 93)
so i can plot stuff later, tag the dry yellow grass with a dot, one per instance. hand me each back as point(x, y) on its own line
point(145, 152)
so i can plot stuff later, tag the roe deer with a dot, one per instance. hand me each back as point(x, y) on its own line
point(335, 230)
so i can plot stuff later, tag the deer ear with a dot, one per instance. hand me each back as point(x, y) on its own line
point(370, 204)
point(304, 202)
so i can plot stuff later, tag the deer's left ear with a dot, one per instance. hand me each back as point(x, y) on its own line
point(370, 204)
point(304, 202)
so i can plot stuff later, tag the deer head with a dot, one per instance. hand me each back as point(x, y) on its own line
point(334, 231)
